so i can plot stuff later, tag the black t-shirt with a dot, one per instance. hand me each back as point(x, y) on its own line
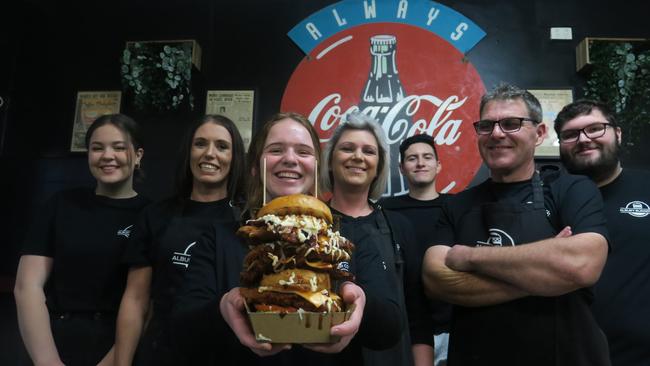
point(85, 235)
point(622, 304)
point(424, 216)
point(416, 312)
point(216, 263)
point(165, 237)
point(569, 200)
point(563, 326)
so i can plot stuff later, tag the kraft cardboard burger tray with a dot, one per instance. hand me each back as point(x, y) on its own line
point(299, 327)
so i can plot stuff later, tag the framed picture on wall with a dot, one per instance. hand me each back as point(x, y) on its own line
point(90, 106)
point(238, 105)
point(552, 101)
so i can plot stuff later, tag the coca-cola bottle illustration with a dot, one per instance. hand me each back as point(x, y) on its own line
point(380, 99)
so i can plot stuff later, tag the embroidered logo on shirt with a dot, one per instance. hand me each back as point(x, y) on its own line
point(498, 238)
point(636, 209)
point(126, 232)
point(183, 259)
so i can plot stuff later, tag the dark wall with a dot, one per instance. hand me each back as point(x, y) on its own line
point(52, 50)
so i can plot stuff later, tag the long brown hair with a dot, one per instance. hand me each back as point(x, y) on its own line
point(255, 189)
point(184, 177)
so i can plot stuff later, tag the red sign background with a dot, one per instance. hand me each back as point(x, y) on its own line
point(428, 66)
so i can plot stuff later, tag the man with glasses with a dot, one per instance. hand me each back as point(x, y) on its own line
point(519, 279)
point(589, 144)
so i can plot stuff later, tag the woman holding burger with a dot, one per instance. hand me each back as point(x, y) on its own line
point(208, 186)
point(355, 169)
point(284, 153)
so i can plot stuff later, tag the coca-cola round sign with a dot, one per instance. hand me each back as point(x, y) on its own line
point(410, 79)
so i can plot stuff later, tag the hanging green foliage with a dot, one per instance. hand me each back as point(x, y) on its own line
point(158, 74)
point(621, 77)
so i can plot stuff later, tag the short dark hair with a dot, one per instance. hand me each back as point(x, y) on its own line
point(422, 138)
point(582, 107)
point(184, 177)
point(505, 91)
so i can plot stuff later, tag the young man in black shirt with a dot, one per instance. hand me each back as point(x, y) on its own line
point(420, 166)
point(589, 144)
point(520, 291)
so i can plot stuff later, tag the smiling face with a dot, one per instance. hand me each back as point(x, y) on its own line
point(596, 158)
point(290, 159)
point(510, 156)
point(354, 160)
point(420, 165)
point(112, 158)
point(210, 157)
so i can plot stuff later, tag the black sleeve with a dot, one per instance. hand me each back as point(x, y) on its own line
point(198, 326)
point(420, 322)
point(580, 205)
point(40, 238)
point(381, 325)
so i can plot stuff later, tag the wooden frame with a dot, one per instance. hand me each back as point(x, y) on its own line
point(582, 50)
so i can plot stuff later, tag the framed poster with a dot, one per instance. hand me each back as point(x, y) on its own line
point(238, 105)
point(90, 106)
point(552, 101)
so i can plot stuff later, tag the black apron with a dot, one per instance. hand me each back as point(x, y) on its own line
point(521, 330)
point(380, 234)
point(529, 331)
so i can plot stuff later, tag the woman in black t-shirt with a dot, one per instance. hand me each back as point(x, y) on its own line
point(209, 179)
point(69, 279)
point(210, 307)
point(355, 168)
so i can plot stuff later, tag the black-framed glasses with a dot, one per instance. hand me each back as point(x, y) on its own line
point(507, 125)
point(593, 131)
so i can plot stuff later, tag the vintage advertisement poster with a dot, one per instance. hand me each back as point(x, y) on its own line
point(236, 105)
point(90, 106)
point(552, 101)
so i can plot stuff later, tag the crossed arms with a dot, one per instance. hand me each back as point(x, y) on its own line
point(481, 276)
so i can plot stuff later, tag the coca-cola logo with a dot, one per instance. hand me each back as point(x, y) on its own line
point(410, 79)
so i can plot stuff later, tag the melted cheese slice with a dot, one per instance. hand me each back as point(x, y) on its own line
point(318, 264)
point(318, 299)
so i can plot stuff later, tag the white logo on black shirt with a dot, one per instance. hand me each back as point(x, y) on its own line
point(183, 259)
point(636, 209)
point(498, 238)
point(126, 232)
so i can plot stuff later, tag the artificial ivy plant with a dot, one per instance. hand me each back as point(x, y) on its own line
point(620, 76)
point(158, 74)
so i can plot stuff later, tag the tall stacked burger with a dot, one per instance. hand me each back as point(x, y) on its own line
point(295, 257)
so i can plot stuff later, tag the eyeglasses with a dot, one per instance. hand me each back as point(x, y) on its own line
point(507, 125)
point(593, 131)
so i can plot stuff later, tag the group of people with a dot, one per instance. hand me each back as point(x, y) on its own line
point(526, 268)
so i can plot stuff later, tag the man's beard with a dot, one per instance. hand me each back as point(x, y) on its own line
point(597, 170)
